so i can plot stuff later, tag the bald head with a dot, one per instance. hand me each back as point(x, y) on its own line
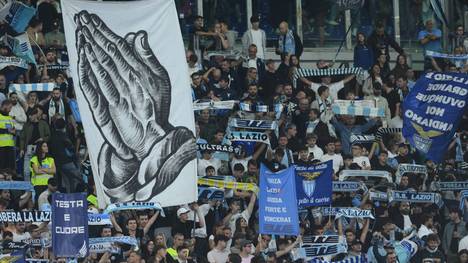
point(283, 28)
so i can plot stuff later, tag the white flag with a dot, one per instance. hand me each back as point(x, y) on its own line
point(127, 60)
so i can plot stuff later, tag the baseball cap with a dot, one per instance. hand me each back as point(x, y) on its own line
point(181, 211)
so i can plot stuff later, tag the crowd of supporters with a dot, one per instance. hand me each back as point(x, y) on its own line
point(44, 143)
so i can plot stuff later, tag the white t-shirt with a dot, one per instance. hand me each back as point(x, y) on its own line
point(463, 244)
point(337, 161)
point(202, 164)
point(424, 231)
point(218, 256)
point(248, 259)
point(318, 153)
point(232, 222)
point(362, 161)
point(21, 237)
point(257, 40)
point(334, 88)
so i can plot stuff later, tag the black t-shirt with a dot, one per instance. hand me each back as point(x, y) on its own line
point(184, 228)
point(392, 98)
point(427, 255)
point(35, 134)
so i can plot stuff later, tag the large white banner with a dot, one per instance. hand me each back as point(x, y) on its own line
point(128, 65)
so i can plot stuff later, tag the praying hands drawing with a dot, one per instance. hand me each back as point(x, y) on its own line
point(129, 92)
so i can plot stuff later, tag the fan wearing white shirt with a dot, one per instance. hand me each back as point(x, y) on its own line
point(426, 227)
point(334, 87)
point(255, 36)
point(331, 155)
point(316, 151)
point(362, 161)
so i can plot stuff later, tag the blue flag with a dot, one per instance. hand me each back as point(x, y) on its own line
point(277, 202)
point(21, 47)
point(19, 15)
point(70, 225)
point(433, 110)
point(314, 184)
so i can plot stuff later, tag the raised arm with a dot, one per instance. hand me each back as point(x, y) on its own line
point(115, 224)
point(151, 222)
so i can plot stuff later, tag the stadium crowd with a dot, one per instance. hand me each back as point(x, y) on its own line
point(42, 141)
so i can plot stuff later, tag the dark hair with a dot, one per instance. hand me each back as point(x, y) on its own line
point(219, 238)
point(181, 248)
point(59, 124)
point(130, 219)
point(238, 167)
point(39, 152)
point(279, 151)
point(209, 168)
point(252, 162)
point(6, 103)
point(321, 90)
point(433, 237)
point(234, 258)
point(54, 89)
point(13, 93)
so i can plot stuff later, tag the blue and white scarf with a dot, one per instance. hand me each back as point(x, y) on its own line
point(287, 44)
point(356, 259)
point(447, 56)
point(253, 124)
point(353, 213)
point(13, 61)
point(247, 137)
point(463, 196)
point(119, 239)
point(382, 131)
point(365, 173)
point(133, 206)
point(404, 168)
point(415, 197)
point(451, 186)
point(260, 108)
point(16, 185)
point(348, 186)
point(99, 219)
point(25, 88)
point(214, 105)
point(356, 110)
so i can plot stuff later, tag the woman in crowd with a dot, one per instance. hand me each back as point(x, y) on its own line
point(401, 67)
point(42, 168)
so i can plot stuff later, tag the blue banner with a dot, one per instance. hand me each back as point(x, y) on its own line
point(278, 203)
point(70, 225)
point(433, 110)
point(314, 184)
point(19, 15)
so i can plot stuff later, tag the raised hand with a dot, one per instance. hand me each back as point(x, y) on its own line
point(129, 93)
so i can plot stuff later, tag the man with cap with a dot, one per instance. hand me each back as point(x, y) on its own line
point(255, 36)
point(219, 254)
point(184, 225)
point(246, 251)
point(42, 201)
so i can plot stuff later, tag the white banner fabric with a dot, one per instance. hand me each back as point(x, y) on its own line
point(128, 65)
